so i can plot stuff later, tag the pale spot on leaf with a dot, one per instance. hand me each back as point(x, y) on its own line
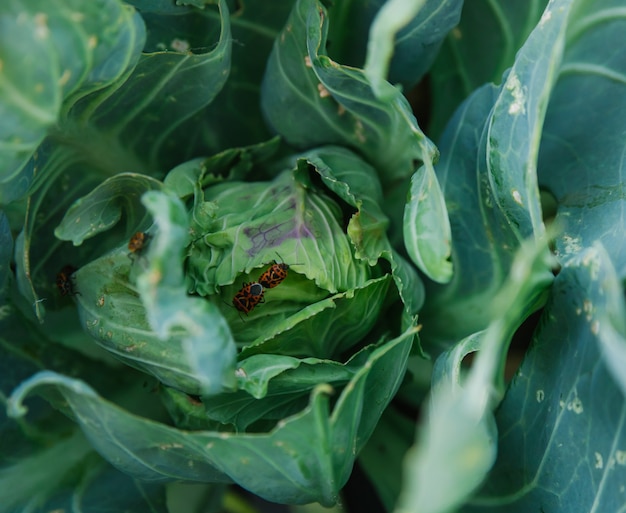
point(620, 457)
point(359, 131)
point(5, 311)
point(307, 61)
point(599, 462)
point(517, 197)
point(65, 77)
point(180, 45)
point(41, 26)
point(575, 405)
point(540, 395)
point(571, 244)
point(547, 15)
point(518, 103)
point(323, 92)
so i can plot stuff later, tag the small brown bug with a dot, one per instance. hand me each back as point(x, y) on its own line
point(250, 295)
point(137, 242)
point(65, 282)
point(275, 275)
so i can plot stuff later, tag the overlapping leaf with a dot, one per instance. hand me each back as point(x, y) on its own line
point(154, 325)
point(456, 445)
point(405, 36)
point(580, 162)
point(477, 51)
point(48, 439)
point(270, 388)
point(102, 208)
point(340, 107)
point(6, 251)
point(337, 102)
point(111, 130)
point(414, 44)
point(488, 172)
point(308, 457)
point(46, 57)
point(560, 447)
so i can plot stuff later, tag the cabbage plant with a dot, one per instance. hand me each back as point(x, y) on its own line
point(290, 255)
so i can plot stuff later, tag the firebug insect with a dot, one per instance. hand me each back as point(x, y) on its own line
point(250, 295)
point(275, 275)
point(65, 283)
point(137, 242)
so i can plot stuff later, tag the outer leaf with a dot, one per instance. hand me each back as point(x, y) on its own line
point(176, 84)
point(491, 191)
point(393, 16)
point(99, 487)
point(273, 386)
point(581, 161)
point(65, 456)
point(253, 27)
point(207, 344)
point(131, 443)
point(516, 122)
point(382, 456)
point(48, 439)
point(612, 333)
point(413, 47)
point(234, 118)
point(105, 489)
point(6, 251)
point(456, 446)
point(477, 51)
point(109, 131)
point(54, 58)
point(477, 274)
point(112, 312)
point(340, 108)
point(560, 447)
point(427, 232)
point(399, 28)
point(308, 457)
point(102, 208)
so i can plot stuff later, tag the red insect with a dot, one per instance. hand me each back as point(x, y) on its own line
point(65, 282)
point(275, 275)
point(250, 295)
point(137, 242)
